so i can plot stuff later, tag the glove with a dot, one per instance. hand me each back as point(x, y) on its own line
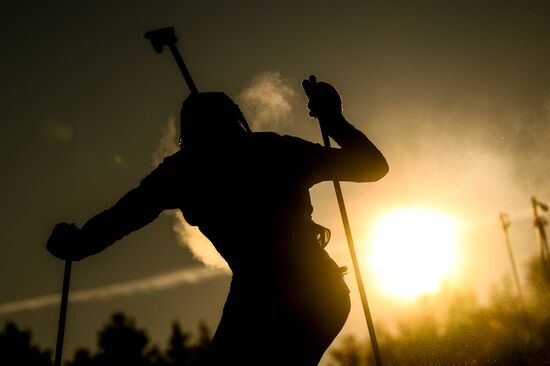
point(64, 242)
point(324, 100)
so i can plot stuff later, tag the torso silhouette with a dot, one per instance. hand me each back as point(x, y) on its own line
point(249, 194)
point(251, 199)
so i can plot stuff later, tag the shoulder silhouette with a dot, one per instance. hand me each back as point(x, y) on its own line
point(248, 192)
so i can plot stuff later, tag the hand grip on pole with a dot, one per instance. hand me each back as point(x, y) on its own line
point(349, 237)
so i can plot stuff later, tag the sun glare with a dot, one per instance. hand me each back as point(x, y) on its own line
point(412, 251)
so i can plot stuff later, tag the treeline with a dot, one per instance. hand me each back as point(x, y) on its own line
point(454, 329)
point(120, 342)
point(450, 329)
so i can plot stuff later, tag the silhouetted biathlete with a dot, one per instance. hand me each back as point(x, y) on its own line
point(249, 194)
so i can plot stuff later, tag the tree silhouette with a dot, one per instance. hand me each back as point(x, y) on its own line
point(498, 333)
point(351, 352)
point(16, 348)
point(182, 352)
point(120, 342)
point(179, 351)
point(503, 332)
point(82, 357)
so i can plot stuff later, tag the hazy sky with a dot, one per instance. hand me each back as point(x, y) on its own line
point(455, 94)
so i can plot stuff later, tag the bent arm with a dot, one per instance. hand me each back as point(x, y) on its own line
point(357, 159)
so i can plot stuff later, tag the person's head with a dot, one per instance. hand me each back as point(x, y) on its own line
point(210, 119)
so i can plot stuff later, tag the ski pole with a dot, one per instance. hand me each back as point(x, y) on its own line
point(62, 313)
point(159, 38)
point(167, 37)
point(505, 222)
point(540, 222)
point(356, 268)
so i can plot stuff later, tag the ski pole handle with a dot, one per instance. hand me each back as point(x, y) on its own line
point(167, 37)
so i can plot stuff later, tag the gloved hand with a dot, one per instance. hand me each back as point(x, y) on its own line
point(64, 242)
point(324, 100)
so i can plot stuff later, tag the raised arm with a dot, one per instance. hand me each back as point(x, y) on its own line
point(357, 159)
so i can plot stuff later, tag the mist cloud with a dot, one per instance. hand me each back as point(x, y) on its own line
point(484, 159)
point(473, 162)
point(267, 101)
point(144, 285)
point(187, 235)
point(168, 142)
point(199, 245)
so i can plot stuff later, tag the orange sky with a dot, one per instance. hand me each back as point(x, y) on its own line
point(456, 95)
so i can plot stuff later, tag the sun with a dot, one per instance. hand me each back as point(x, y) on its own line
point(412, 251)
